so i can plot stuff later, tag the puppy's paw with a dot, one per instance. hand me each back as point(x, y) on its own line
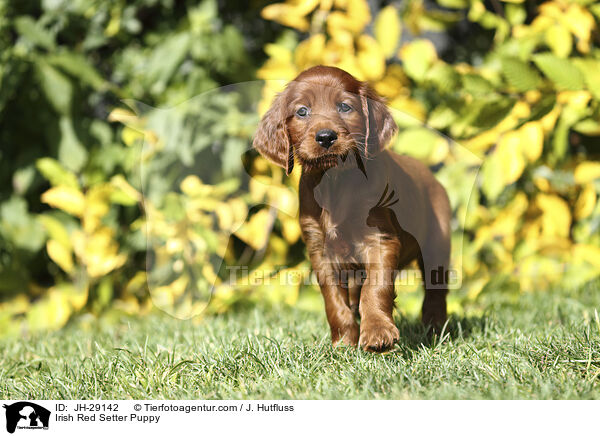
point(345, 336)
point(378, 335)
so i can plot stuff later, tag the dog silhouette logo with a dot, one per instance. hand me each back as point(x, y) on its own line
point(26, 415)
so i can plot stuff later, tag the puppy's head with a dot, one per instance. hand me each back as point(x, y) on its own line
point(322, 116)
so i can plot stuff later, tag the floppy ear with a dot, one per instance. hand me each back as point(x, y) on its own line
point(379, 124)
point(272, 139)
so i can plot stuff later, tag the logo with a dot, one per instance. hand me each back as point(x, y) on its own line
point(26, 415)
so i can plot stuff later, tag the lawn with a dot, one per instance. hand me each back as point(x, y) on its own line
point(537, 346)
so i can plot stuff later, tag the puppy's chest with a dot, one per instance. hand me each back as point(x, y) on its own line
point(344, 237)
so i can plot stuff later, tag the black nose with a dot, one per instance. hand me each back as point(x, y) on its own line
point(325, 137)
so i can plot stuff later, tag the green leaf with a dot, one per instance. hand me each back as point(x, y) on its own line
point(165, 60)
point(542, 107)
point(56, 86)
point(388, 29)
point(22, 179)
point(475, 84)
point(588, 127)
point(417, 56)
point(560, 140)
point(30, 30)
point(492, 183)
point(561, 71)
point(591, 74)
point(49, 313)
point(441, 117)
point(55, 173)
point(515, 14)
point(18, 226)
point(453, 4)
point(78, 66)
point(417, 142)
point(519, 74)
point(443, 76)
point(493, 112)
point(71, 153)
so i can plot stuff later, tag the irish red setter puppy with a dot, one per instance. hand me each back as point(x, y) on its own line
point(365, 212)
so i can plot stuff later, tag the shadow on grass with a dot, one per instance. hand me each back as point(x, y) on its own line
point(415, 336)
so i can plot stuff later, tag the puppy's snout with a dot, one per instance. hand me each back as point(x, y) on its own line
point(326, 137)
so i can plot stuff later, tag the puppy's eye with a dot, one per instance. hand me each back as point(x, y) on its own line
point(343, 108)
point(302, 111)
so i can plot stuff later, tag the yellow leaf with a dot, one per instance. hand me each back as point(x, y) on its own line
point(56, 230)
point(587, 172)
point(551, 9)
point(114, 24)
point(586, 202)
point(581, 23)
point(409, 107)
point(122, 116)
point(19, 304)
point(559, 40)
point(310, 52)
point(575, 99)
point(162, 297)
point(549, 120)
point(532, 140)
point(255, 231)
point(280, 64)
point(284, 199)
point(355, 19)
point(51, 312)
point(69, 199)
point(125, 193)
point(587, 253)
point(388, 30)
point(193, 186)
point(225, 216)
point(240, 212)
point(137, 283)
point(394, 83)
point(439, 152)
point(290, 14)
point(510, 157)
point(131, 136)
point(542, 184)
point(60, 255)
point(127, 304)
point(96, 205)
point(533, 96)
point(370, 57)
point(290, 229)
point(556, 217)
point(77, 297)
point(521, 109)
point(98, 251)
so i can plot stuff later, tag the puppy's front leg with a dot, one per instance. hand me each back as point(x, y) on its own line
point(378, 332)
point(340, 317)
point(344, 329)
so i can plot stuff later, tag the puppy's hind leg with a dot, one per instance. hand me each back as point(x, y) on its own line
point(435, 263)
point(435, 259)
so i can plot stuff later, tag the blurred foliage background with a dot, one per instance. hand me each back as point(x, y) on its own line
point(86, 225)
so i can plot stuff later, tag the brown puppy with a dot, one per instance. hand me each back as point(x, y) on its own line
point(365, 212)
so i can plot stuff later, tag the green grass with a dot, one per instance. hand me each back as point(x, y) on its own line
point(539, 346)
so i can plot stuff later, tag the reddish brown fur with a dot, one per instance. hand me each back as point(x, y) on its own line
point(362, 208)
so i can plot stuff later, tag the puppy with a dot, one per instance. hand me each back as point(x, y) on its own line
point(365, 212)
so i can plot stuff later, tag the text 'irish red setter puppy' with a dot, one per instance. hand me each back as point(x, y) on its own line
point(365, 212)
